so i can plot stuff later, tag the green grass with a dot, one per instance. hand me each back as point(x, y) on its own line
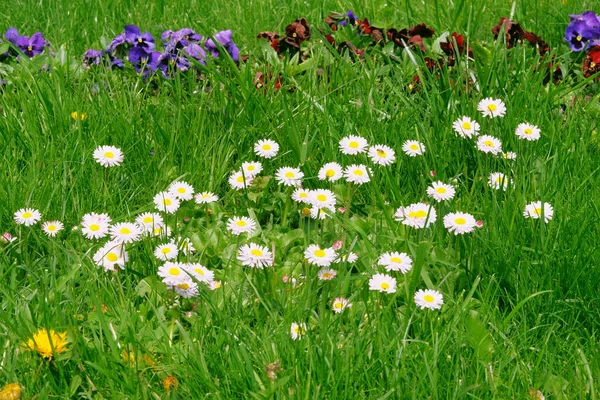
point(522, 308)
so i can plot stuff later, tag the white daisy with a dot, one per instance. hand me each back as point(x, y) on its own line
point(459, 223)
point(297, 330)
point(535, 210)
point(382, 283)
point(206, 197)
point(349, 258)
point(239, 225)
point(498, 180)
point(166, 202)
point(108, 156)
point(162, 231)
point(165, 252)
point(466, 127)
point(527, 131)
point(95, 226)
point(185, 246)
point(395, 262)
point(125, 232)
point(340, 304)
point(289, 176)
point(214, 285)
point(322, 212)
point(255, 256)
point(489, 144)
point(322, 198)
point(238, 181)
point(252, 168)
point(431, 299)
point(172, 273)
point(51, 228)
point(418, 215)
point(110, 256)
point(492, 107)
point(441, 191)
point(326, 274)
point(148, 221)
point(318, 256)
point(199, 272)
point(301, 195)
point(187, 288)
point(353, 145)
point(181, 190)
point(382, 155)
point(413, 148)
point(511, 155)
point(331, 171)
point(27, 216)
point(357, 174)
point(266, 148)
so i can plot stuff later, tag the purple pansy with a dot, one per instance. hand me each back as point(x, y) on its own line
point(92, 57)
point(135, 36)
point(30, 46)
point(583, 29)
point(169, 63)
point(225, 39)
point(195, 51)
point(351, 19)
point(144, 61)
point(118, 43)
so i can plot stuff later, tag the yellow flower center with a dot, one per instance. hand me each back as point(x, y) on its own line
point(441, 190)
point(338, 305)
point(492, 107)
point(385, 285)
point(140, 40)
point(199, 271)
point(306, 211)
point(294, 34)
point(174, 271)
point(167, 202)
point(460, 221)
point(251, 167)
point(320, 253)
point(414, 147)
point(205, 196)
point(329, 173)
point(109, 154)
point(27, 215)
point(30, 48)
point(578, 38)
point(489, 143)
point(466, 125)
point(51, 228)
point(528, 131)
point(240, 178)
point(321, 197)
point(112, 257)
point(181, 190)
point(241, 222)
point(266, 147)
point(125, 231)
point(428, 298)
point(537, 211)
point(256, 252)
point(183, 286)
point(358, 172)
point(395, 260)
point(327, 275)
point(381, 153)
point(303, 195)
point(94, 227)
point(417, 214)
point(289, 174)
point(147, 220)
point(166, 250)
point(354, 145)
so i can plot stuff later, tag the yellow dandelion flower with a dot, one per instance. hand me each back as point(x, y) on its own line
point(47, 343)
point(77, 116)
point(170, 382)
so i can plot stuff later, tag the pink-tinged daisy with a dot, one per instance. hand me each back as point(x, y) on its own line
point(466, 127)
point(492, 107)
point(382, 283)
point(489, 144)
point(238, 181)
point(441, 191)
point(357, 174)
point(206, 197)
point(51, 228)
point(255, 256)
point(181, 190)
point(331, 171)
point(394, 261)
point(340, 304)
point(413, 148)
point(125, 232)
point(108, 156)
point(382, 155)
point(418, 215)
point(27, 216)
point(352, 145)
point(266, 148)
point(289, 176)
point(460, 223)
point(527, 131)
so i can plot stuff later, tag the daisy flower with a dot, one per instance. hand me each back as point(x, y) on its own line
point(181, 190)
point(172, 273)
point(418, 215)
point(252, 168)
point(95, 226)
point(498, 180)
point(331, 171)
point(489, 144)
point(395, 262)
point(301, 195)
point(166, 202)
point(340, 304)
point(382, 155)
point(350, 258)
point(110, 256)
point(199, 272)
point(187, 288)
point(322, 212)
point(527, 131)
point(165, 252)
point(441, 191)
point(239, 225)
point(289, 176)
point(125, 232)
point(353, 145)
point(382, 283)
point(27, 216)
point(534, 210)
point(297, 330)
point(466, 127)
point(206, 197)
point(108, 156)
point(357, 174)
point(255, 256)
point(326, 274)
point(148, 221)
point(318, 256)
point(510, 155)
point(459, 223)
point(238, 181)
point(431, 299)
point(266, 148)
point(322, 198)
point(214, 285)
point(185, 246)
point(492, 107)
point(164, 231)
point(51, 228)
point(413, 148)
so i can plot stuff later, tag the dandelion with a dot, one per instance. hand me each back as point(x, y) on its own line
point(172, 273)
point(498, 180)
point(108, 156)
point(297, 330)
point(110, 256)
point(466, 127)
point(252, 168)
point(357, 174)
point(393, 261)
point(51, 228)
point(331, 172)
point(301, 195)
point(27, 216)
point(318, 256)
point(413, 148)
point(441, 191)
point(48, 343)
point(255, 256)
point(353, 145)
point(326, 274)
point(382, 155)
point(489, 144)
point(289, 176)
point(166, 202)
point(431, 299)
point(206, 197)
point(527, 131)
point(535, 210)
point(238, 181)
point(322, 198)
point(266, 148)
point(11, 391)
point(349, 258)
point(340, 304)
point(167, 251)
point(459, 223)
point(181, 190)
point(509, 155)
point(382, 283)
point(199, 272)
point(95, 226)
point(418, 215)
point(125, 232)
point(239, 225)
point(492, 107)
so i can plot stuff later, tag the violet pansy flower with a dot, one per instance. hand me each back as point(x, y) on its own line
point(225, 39)
point(30, 46)
point(135, 36)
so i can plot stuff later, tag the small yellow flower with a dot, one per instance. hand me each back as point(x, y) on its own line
point(46, 344)
point(78, 116)
point(170, 382)
point(12, 391)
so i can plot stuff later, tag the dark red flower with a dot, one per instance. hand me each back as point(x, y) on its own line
point(454, 45)
point(537, 42)
point(591, 64)
point(273, 39)
point(353, 51)
point(333, 20)
point(512, 30)
point(411, 37)
point(298, 31)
